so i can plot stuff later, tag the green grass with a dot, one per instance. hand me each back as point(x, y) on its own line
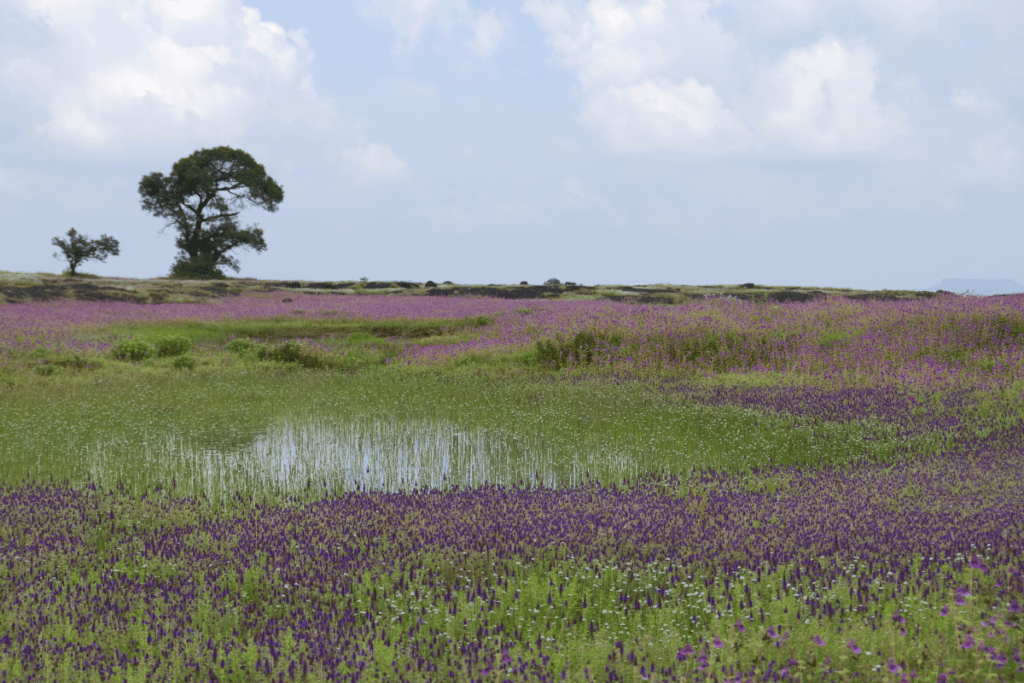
point(250, 422)
point(263, 426)
point(246, 410)
point(278, 329)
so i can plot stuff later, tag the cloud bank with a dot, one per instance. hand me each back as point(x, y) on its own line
point(111, 73)
point(658, 75)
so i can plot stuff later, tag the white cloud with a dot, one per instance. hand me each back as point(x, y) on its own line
point(904, 16)
point(488, 30)
point(822, 99)
point(374, 162)
point(973, 102)
point(909, 16)
point(664, 115)
point(626, 41)
point(411, 19)
point(644, 69)
point(118, 72)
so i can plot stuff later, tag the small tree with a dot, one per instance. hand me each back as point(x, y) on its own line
point(78, 248)
point(202, 198)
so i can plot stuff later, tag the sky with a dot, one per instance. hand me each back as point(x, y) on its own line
point(840, 143)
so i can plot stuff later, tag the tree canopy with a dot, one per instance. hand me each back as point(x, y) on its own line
point(202, 198)
point(78, 248)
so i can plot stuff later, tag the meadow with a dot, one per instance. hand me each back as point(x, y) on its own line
point(284, 486)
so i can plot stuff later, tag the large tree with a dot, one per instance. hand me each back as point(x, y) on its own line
point(78, 248)
point(201, 199)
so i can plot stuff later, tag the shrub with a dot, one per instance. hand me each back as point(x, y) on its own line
point(552, 282)
point(239, 346)
point(292, 352)
point(579, 349)
point(202, 267)
point(132, 350)
point(184, 362)
point(174, 345)
point(73, 360)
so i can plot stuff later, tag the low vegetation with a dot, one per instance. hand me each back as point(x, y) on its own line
point(283, 485)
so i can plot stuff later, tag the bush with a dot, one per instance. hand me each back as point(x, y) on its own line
point(239, 346)
point(184, 362)
point(203, 267)
point(174, 345)
point(579, 349)
point(288, 352)
point(552, 282)
point(292, 352)
point(132, 350)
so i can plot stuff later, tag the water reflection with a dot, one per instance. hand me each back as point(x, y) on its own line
point(391, 455)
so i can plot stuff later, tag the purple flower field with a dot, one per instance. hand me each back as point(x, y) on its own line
point(501, 583)
point(56, 324)
point(933, 345)
point(908, 569)
point(930, 344)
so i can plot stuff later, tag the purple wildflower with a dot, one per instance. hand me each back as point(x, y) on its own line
point(817, 640)
point(853, 647)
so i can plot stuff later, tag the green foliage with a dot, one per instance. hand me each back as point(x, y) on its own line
point(508, 430)
point(132, 350)
point(46, 370)
point(175, 345)
point(47, 358)
point(239, 345)
point(78, 248)
point(836, 338)
point(201, 199)
point(287, 352)
point(184, 362)
point(579, 349)
point(293, 352)
point(198, 267)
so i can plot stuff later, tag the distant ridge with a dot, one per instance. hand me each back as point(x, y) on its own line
point(985, 287)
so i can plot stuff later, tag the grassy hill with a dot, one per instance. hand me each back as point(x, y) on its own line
point(21, 287)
